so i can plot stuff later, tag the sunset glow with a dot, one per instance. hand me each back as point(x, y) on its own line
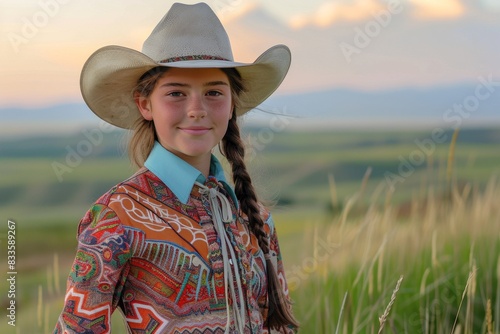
point(442, 9)
point(46, 42)
point(333, 11)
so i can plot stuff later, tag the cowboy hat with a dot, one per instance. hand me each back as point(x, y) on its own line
point(188, 36)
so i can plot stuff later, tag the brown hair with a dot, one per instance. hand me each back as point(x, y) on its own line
point(141, 144)
point(143, 134)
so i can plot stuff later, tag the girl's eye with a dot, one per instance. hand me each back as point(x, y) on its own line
point(175, 94)
point(214, 93)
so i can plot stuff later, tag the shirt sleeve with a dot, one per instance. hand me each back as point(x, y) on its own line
point(98, 274)
point(277, 261)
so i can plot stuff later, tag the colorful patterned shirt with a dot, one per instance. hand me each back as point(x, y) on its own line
point(149, 247)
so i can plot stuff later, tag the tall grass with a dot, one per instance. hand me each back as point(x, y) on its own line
point(447, 248)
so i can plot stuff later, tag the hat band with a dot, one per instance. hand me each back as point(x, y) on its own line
point(193, 57)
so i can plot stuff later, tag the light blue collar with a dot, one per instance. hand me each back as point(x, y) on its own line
point(179, 176)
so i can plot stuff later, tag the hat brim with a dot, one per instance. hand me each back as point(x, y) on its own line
point(110, 75)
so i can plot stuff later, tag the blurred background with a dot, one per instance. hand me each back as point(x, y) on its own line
point(380, 151)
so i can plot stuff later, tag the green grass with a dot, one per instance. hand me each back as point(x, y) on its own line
point(355, 249)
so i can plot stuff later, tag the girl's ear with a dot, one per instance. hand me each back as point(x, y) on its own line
point(144, 106)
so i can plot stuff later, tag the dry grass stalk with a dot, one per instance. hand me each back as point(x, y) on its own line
point(430, 212)
point(471, 292)
point(367, 265)
point(364, 182)
point(456, 327)
point(388, 213)
point(379, 272)
point(489, 318)
point(383, 318)
point(333, 191)
point(377, 193)
point(50, 282)
point(457, 330)
point(57, 284)
point(340, 314)
point(39, 309)
point(46, 329)
point(349, 204)
point(424, 282)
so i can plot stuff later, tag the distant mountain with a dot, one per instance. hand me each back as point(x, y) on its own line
point(64, 117)
point(71, 112)
point(454, 105)
point(449, 106)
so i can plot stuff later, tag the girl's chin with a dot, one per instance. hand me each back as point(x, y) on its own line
point(196, 153)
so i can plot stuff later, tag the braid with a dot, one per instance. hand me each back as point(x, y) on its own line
point(279, 313)
point(234, 151)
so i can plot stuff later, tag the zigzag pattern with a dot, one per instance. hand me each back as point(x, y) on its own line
point(146, 318)
point(81, 316)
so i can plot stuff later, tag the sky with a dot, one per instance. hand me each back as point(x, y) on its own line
point(361, 44)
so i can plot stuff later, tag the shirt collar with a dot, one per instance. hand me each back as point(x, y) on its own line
point(179, 176)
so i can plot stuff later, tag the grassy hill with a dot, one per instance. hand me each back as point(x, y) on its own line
point(60, 176)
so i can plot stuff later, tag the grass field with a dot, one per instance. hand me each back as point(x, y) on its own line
point(438, 227)
point(446, 252)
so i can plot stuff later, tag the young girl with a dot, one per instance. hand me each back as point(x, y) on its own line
point(175, 248)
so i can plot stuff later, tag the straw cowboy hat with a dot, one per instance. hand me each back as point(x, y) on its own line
point(188, 36)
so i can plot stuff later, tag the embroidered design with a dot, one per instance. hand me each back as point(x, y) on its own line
point(157, 217)
point(146, 318)
point(82, 317)
point(160, 262)
point(193, 57)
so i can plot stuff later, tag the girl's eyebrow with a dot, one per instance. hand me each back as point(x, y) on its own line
point(175, 84)
point(216, 83)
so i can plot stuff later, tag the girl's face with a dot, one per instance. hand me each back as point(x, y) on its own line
point(190, 109)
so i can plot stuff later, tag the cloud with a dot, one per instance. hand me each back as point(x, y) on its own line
point(408, 51)
point(442, 9)
point(228, 13)
point(333, 11)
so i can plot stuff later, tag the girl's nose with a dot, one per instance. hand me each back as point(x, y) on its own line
point(196, 107)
